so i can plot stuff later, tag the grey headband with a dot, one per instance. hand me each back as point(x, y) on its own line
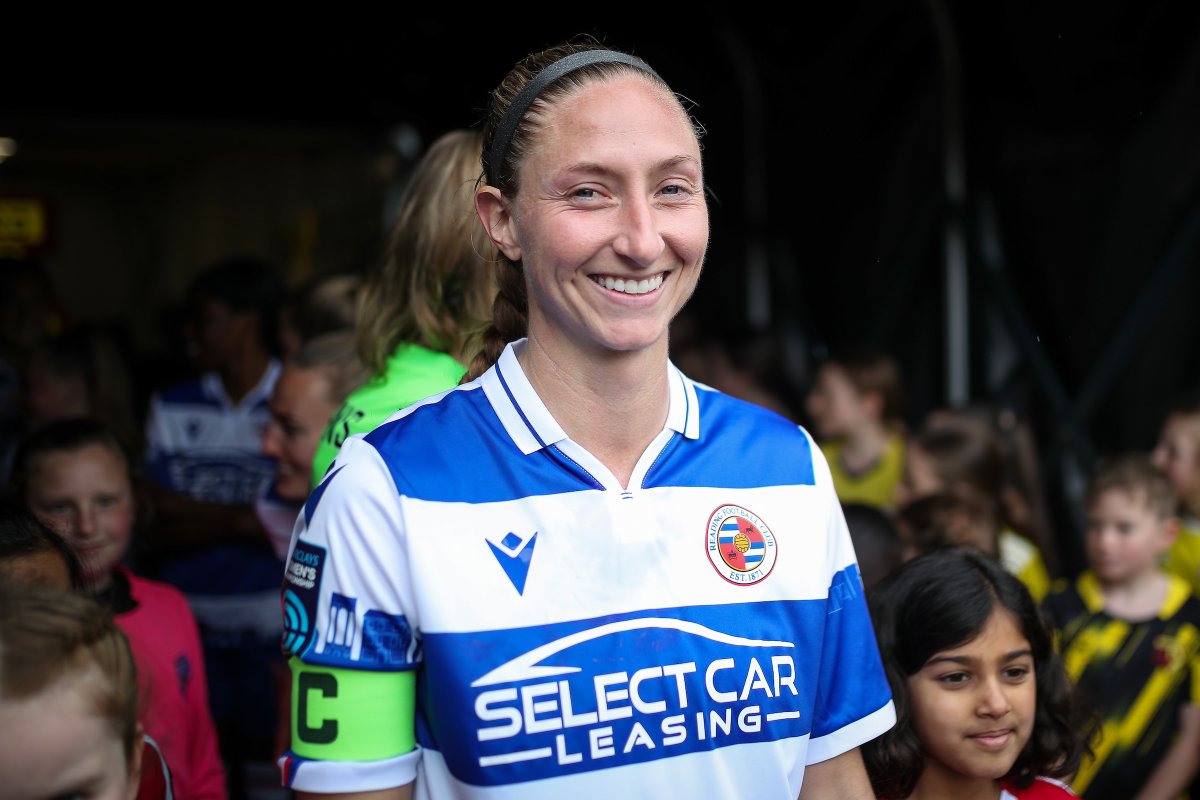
point(524, 99)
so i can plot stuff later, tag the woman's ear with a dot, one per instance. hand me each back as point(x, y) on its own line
point(496, 215)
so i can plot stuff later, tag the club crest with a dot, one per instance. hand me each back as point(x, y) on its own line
point(741, 547)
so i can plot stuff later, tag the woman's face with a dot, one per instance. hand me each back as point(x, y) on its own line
point(84, 496)
point(300, 410)
point(610, 221)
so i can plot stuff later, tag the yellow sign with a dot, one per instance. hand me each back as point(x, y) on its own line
point(22, 224)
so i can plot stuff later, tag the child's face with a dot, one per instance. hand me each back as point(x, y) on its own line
point(973, 706)
point(84, 496)
point(1124, 538)
point(835, 405)
point(1178, 456)
point(65, 748)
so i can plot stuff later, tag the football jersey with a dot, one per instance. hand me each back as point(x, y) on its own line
point(473, 602)
point(1137, 676)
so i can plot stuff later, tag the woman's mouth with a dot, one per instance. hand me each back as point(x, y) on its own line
point(630, 285)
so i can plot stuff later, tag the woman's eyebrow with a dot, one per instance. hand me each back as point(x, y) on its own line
point(597, 168)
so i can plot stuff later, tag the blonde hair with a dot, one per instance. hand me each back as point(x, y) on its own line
point(434, 286)
point(47, 636)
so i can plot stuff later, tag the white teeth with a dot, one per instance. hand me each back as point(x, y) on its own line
point(631, 286)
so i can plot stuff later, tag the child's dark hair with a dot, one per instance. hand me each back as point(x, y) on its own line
point(946, 519)
point(64, 434)
point(876, 542)
point(22, 535)
point(934, 603)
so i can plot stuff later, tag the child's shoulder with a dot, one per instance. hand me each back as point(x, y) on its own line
point(157, 595)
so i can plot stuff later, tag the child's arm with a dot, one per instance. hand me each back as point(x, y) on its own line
point(1175, 771)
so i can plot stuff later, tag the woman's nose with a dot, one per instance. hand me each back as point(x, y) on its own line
point(639, 239)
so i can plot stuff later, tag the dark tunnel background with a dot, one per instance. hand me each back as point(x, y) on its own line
point(1078, 132)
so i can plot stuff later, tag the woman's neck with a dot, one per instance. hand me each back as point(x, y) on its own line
point(613, 404)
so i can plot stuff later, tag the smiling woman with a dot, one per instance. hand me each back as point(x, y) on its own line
point(580, 573)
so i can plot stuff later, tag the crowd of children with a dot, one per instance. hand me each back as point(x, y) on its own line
point(1125, 631)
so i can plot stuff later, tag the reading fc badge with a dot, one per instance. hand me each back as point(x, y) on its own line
point(740, 545)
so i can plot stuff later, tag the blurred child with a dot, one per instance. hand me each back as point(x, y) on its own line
point(68, 699)
point(1130, 639)
point(876, 541)
point(965, 460)
point(33, 555)
point(1178, 456)
point(75, 478)
point(982, 702)
point(945, 519)
point(855, 411)
point(1022, 493)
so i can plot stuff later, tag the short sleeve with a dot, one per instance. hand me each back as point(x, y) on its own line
point(854, 701)
point(349, 632)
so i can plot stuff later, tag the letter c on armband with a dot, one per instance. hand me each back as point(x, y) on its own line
point(326, 684)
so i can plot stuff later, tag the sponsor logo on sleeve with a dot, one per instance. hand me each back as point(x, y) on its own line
point(301, 591)
point(741, 546)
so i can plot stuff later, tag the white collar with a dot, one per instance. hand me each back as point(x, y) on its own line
point(260, 393)
point(532, 427)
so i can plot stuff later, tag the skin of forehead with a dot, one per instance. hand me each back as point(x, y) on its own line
point(542, 109)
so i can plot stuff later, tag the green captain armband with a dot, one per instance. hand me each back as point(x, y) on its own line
point(352, 715)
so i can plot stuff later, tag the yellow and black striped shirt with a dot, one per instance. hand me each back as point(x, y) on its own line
point(1137, 675)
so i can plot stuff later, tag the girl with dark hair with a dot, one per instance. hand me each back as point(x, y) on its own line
point(982, 702)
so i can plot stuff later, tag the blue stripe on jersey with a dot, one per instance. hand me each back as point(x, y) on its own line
point(509, 706)
point(849, 649)
point(456, 450)
point(739, 448)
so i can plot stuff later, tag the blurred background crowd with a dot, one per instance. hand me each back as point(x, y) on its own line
point(960, 244)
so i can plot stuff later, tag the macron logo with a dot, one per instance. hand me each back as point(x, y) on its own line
point(514, 557)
